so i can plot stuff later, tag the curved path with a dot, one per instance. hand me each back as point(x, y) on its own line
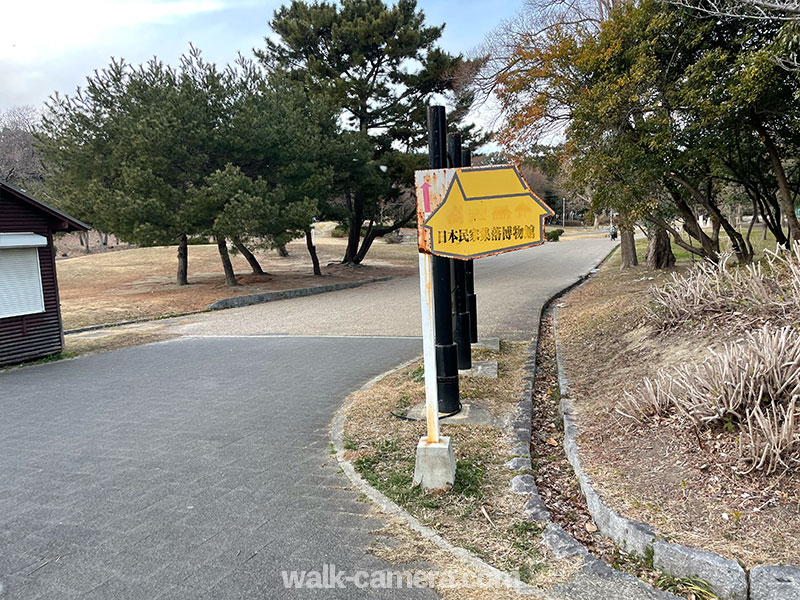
point(510, 287)
point(200, 468)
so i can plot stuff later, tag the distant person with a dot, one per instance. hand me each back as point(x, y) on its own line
point(613, 234)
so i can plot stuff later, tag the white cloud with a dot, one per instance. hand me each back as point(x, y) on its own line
point(36, 30)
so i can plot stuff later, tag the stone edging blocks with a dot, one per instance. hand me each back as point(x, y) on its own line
point(727, 578)
point(391, 508)
point(596, 578)
point(594, 581)
point(238, 301)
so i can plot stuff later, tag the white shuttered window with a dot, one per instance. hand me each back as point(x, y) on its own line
point(20, 282)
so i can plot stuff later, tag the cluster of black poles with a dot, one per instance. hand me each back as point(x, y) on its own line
point(455, 310)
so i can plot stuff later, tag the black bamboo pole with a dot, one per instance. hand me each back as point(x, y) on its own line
point(469, 273)
point(446, 350)
point(461, 335)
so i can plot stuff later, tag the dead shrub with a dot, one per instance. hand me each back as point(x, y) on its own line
point(741, 296)
point(750, 388)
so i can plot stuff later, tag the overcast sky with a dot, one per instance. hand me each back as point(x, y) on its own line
point(52, 45)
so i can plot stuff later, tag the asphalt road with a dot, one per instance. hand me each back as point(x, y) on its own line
point(200, 468)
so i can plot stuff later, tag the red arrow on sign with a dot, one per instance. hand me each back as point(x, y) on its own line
point(426, 197)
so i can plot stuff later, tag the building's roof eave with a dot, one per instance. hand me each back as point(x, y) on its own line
point(69, 223)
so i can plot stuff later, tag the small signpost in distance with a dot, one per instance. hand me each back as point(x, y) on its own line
point(464, 213)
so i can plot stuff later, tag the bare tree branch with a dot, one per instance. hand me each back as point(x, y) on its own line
point(786, 10)
point(19, 163)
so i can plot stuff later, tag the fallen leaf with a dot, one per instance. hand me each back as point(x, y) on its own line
point(590, 527)
point(551, 442)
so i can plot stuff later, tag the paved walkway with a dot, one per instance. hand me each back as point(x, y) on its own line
point(200, 468)
point(189, 469)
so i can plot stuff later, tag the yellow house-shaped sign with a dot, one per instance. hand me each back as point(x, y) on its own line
point(473, 212)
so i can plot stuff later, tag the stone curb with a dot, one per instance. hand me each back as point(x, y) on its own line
point(774, 583)
point(239, 301)
point(596, 577)
point(391, 508)
point(727, 578)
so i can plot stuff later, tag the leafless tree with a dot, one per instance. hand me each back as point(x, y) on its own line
point(512, 51)
point(19, 163)
point(533, 22)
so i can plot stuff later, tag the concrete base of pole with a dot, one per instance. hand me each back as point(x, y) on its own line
point(435, 468)
point(481, 368)
point(492, 344)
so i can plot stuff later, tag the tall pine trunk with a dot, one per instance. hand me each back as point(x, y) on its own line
point(249, 257)
point(659, 250)
point(628, 245)
point(312, 250)
point(230, 276)
point(366, 244)
point(183, 260)
point(356, 207)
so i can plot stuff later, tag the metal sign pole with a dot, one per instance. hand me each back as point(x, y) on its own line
point(435, 466)
point(464, 214)
point(429, 346)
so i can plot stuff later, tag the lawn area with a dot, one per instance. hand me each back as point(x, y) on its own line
point(139, 283)
point(682, 256)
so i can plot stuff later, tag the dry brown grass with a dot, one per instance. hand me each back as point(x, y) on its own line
point(80, 346)
point(407, 547)
point(738, 297)
point(683, 481)
point(382, 448)
point(751, 387)
point(109, 339)
point(139, 283)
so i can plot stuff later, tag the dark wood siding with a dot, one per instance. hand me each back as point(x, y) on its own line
point(31, 336)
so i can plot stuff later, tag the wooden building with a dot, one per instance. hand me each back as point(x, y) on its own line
point(30, 314)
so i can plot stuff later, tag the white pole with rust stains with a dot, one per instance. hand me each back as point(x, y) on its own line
point(428, 345)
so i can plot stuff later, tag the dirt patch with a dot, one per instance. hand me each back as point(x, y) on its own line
point(103, 341)
point(114, 340)
point(558, 486)
point(139, 283)
point(682, 481)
